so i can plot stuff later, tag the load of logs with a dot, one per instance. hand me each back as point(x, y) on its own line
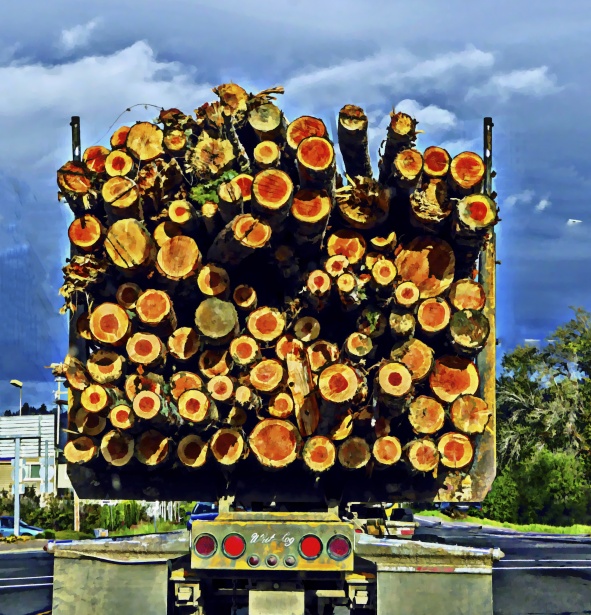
point(237, 295)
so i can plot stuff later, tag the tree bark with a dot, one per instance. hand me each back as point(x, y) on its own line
point(117, 448)
point(216, 320)
point(466, 172)
point(87, 233)
point(467, 294)
point(80, 450)
point(416, 355)
point(455, 450)
point(127, 295)
point(470, 414)
point(239, 239)
point(129, 245)
point(401, 135)
point(354, 453)
point(423, 455)
point(436, 162)
point(429, 263)
point(210, 216)
point(178, 258)
point(319, 454)
point(227, 446)
point(433, 315)
point(387, 451)
point(426, 415)
point(109, 324)
point(106, 366)
point(353, 143)
point(152, 448)
point(275, 443)
point(192, 451)
point(452, 377)
point(184, 343)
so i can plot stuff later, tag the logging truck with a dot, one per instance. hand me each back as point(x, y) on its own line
point(260, 320)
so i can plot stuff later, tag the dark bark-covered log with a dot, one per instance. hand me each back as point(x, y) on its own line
point(281, 406)
point(184, 381)
point(354, 453)
point(192, 451)
point(89, 423)
point(408, 165)
point(236, 417)
point(122, 416)
point(406, 294)
point(145, 349)
point(267, 375)
point(215, 362)
point(266, 324)
point(416, 355)
point(470, 414)
point(426, 415)
point(286, 261)
point(147, 405)
point(144, 141)
point(363, 203)
point(117, 448)
point(402, 325)
point(227, 446)
point(319, 454)
point(183, 343)
point(87, 233)
point(468, 331)
point(429, 263)
point(275, 443)
point(130, 245)
point(245, 297)
point(423, 455)
point(154, 309)
point(268, 122)
point(429, 204)
point(216, 320)
point(467, 294)
point(359, 347)
point(433, 315)
point(194, 406)
point(436, 161)
point(80, 450)
point(83, 326)
point(127, 295)
point(221, 389)
point(302, 128)
point(239, 239)
point(267, 154)
point(466, 172)
point(152, 448)
point(244, 350)
point(306, 329)
point(178, 258)
point(387, 450)
point(372, 322)
point(347, 243)
point(452, 377)
point(118, 164)
point(321, 354)
point(353, 143)
point(455, 450)
point(110, 324)
point(401, 135)
point(94, 158)
point(106, 366)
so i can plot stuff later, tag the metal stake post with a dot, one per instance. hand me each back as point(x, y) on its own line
point(46, 468)
point(17, 486)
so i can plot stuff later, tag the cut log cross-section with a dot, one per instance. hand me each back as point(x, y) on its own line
point(318, 286)
point(402, 325)
point(129, 244)
point(96, 398)
point(87, 233)
point(467, 294)
point(306, 329)
point(384, 273)
point(266, 375)
point(353, 142)
point(152, 448)
point(119, 137)
point(221, 389)
point(109, 324)
point(453, 376)
point(272, 195)
point(470, 414)
point(184, 343)
point(395, 382)
point(416, 355)
point(281, 406)
point(89, 423)
point(467, 171)
point(268, 122)
point(408, 165)
point(301, 128)
point(121, 197)
point(94, 157)
point(118, 164)
point(72, 179)
point(183, 214)
point(426, 415)
point(178, 258)
point(144, 141)
point(154, 308)
point(468, 331)
point(316, 162)
point(239, 239)
point(358, 346)
point(423, 455)
point(80, 450)
point(117, 448)
point(184, 381)
point(127, 295)
point(105, 366)
point(385, 243)
point(244, 350)
point(216, 320)
point(475, 214)
point(401, 135)
point(310, 210)
point(275, 443)
point(214, 281)
point(192, 451)
point(354, 453)
point(194, 406)
point(338, 383)
point(347, 243)
point(387, 450)
point(147, 405)
point(319, 453)
point(227, 446)
point(406, 294)
point(436, 161)
point(245, 297)
point(429, 205)
point(215, 362)
point(230, 201)
point(321, 353)
point(134, 383)
point(267, 154)
point(122, 416)
point(433, 315)
point(455, 450)
point(266, 324)
point(145, 349)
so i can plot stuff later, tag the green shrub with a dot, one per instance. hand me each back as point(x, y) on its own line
point(502, 502)
point(48, 534)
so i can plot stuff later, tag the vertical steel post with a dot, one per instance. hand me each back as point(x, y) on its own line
point(17, 486)
point(46, 472)
point(75, 124)
point(487, 277)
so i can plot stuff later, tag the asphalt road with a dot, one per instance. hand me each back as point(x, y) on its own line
point(541, 574)
point(25, 582)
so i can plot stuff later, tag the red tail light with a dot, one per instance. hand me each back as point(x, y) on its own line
point(233, 545)
point(338, 547)
point(205, 545)
point(310, 547)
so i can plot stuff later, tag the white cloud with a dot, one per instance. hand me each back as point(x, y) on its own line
point(457, 146)
point(543, 204)
point(78, 36)
point(572, 222)
point(532, 82)
point(526, 196)
point(430, 117)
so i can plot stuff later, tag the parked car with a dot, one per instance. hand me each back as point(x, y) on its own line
point(204, 511)
point(7, 528)
point(448, 507)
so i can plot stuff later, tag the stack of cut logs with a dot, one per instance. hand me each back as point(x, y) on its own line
point(236, 295)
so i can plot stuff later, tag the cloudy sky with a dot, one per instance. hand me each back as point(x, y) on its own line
point(450, 64)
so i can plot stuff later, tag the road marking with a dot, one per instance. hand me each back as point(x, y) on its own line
point(546, 560)
point(47, 576)
point(542, 568)
point(26, 585)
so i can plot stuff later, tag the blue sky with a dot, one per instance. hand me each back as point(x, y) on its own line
point(450, 64)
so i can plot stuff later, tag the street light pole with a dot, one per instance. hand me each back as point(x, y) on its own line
point(19, 385)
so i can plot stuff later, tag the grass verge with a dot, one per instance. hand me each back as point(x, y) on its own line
point(148, 528)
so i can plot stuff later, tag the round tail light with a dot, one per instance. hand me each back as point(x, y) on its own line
point(205, 545)
point(233, 546)
point(338, 547)
point(310, 547)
